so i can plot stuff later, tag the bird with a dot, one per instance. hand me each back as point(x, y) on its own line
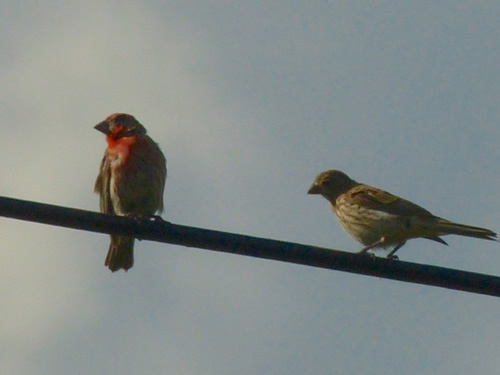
point(378, 219)
point(130, 182)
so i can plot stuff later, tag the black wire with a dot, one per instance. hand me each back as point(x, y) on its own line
point(162, 231)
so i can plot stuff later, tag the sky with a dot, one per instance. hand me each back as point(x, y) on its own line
point(249, 102)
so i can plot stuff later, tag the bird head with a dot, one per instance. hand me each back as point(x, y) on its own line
point(331, 184)
point(119, 125)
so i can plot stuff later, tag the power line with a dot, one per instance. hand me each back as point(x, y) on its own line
point(162, 231)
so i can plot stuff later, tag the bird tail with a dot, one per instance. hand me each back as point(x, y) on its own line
point(120, 253)
point(448, 227)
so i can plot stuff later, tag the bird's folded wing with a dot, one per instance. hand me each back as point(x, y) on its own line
point(380, 200)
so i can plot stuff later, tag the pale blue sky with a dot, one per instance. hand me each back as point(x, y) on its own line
point(249, 101)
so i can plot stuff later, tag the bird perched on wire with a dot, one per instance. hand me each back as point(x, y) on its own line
point(377, 218)
point(130, 182)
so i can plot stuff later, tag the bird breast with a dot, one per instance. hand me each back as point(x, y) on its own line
point(368, 226)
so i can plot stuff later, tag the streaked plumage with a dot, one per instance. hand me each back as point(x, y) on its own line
point(377, 218)
point(131, 180)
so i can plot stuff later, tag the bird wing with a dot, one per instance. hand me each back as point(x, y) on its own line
point(101, 186)
point(380, 200)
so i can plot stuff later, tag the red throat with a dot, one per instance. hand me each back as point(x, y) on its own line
point(120, 146)
point(117, 142)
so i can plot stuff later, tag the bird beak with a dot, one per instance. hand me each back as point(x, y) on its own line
point(103, 127)
point(314, 189)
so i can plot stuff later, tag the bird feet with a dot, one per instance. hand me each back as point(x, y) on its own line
point(392, 257)
point(366, 254)
point(364, 251)
point(139, 219)
point(155, 219)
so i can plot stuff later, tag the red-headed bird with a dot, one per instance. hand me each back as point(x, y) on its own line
point(131, 180)
point(377, 218)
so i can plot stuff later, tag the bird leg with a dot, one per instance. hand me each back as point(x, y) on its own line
point(391, 254)
point(381, 243)
point(375, 244)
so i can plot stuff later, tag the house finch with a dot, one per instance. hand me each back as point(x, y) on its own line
point(377, 218)
point(130, 182)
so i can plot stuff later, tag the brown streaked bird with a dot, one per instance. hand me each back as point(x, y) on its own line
point(131, 180)
point(377, 218)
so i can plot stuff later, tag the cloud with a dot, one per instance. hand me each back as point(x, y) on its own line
point(249, 102)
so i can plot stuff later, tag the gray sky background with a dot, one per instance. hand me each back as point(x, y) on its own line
point(249, 101)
